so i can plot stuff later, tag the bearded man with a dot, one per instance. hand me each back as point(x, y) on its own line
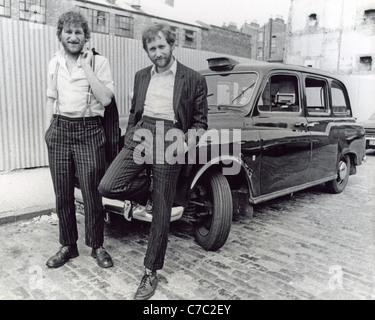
point(76, 99)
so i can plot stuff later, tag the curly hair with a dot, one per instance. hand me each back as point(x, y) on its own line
point(152, 32)
point(73, 18)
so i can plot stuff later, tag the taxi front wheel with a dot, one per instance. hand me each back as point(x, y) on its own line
point(214, 207)
point(343, 170)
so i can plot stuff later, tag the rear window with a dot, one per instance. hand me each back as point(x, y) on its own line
point(230, 91)
point(339, 102)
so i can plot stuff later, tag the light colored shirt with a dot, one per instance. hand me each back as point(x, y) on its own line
point(159, 98)
point(71, 89)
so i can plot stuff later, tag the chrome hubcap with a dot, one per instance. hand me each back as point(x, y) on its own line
point(343, 169)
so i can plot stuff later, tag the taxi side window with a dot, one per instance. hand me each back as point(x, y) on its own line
point(317, 97)
point(339, 105)
point(280, 95)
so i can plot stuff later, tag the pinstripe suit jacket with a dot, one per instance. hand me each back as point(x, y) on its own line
point(189, 98)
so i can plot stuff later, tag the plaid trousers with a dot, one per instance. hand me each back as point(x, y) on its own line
point(76, 147)
point(124, 180)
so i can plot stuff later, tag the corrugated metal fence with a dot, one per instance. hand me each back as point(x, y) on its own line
point(25, 50)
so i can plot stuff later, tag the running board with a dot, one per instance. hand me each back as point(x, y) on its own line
point(123, 208)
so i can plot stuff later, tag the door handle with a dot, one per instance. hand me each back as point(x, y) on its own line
point(311, 124)
point(305, 124)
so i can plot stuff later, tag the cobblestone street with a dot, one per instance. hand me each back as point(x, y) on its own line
point(312, 245)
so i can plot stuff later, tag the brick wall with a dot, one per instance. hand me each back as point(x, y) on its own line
point(226, 41)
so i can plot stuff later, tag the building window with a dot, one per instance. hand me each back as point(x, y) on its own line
point(5, 8)
point(312, 20)
point(190, 40)
point(124, 26)
point(370, 15)
point(175, 32)
point(260, 36)
point(365, 63)
point(33, 10)
point(98, 20)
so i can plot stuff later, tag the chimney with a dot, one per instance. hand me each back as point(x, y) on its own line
point(136, 4)
point(170, 3)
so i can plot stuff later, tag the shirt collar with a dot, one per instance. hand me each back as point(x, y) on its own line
point(172, 69)
point(61, 56)
point(60, 53)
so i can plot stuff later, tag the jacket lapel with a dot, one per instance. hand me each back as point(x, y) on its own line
point(178, 87)
point(143, 87)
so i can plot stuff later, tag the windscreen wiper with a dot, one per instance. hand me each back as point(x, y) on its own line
point(243, 91)
point(221, 105)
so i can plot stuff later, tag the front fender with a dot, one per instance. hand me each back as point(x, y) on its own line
point(223, 162)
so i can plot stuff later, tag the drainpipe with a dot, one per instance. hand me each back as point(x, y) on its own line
point(340, 36)
point(270, 43)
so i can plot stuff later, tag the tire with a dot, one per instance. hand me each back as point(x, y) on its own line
point(343, 170)
point(213, 227)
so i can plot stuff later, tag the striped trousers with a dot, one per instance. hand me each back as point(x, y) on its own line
point(76, 148)
point(124, 180)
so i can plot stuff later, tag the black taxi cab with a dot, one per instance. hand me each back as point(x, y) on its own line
point(274, 129)
point(290, 128)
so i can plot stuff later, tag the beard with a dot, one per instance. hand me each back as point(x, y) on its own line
point(163, 62)
point(73, 48)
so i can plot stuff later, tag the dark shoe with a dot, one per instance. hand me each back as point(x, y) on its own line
point(102, 257)
point(147, 287)
point(62, 256)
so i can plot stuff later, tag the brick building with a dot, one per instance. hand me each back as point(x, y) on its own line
point(128, 18)
point(271, 41)
point(252, 29)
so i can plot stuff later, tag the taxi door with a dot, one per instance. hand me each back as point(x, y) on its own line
point(323, 125)
point(285, 139)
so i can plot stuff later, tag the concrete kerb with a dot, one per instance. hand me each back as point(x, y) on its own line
point(25, 214)
point(26, 194)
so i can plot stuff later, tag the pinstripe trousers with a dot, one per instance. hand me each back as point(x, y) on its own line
point(124, 180)
point(76, 147)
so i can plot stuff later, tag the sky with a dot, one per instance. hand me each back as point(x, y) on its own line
point(217, 12)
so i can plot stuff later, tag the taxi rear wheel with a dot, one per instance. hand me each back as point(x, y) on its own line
point(343, 170)
point(215, 211)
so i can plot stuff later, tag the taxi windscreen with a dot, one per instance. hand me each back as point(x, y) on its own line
point(230, 91)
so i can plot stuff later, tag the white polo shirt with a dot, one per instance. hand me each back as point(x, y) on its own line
point(71, 88)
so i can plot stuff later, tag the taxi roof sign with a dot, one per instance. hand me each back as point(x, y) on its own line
point(221, 63)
